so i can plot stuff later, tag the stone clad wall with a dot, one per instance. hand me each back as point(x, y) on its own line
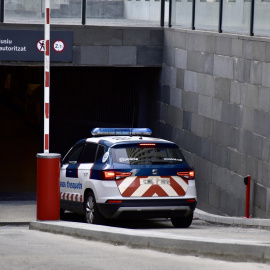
point(214, 101)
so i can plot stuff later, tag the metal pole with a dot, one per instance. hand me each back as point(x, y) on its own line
point(162, 12)
point(247, 183)
point(2, 7)
point(193, 14)
point(83, 12)
point(170, 13)
point(47, 76)
point(251, 29)
point(220, 16)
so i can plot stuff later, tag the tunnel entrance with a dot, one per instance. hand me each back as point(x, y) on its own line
point(81, 98)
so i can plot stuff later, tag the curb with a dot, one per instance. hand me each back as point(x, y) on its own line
point(232, 221)
point(177, 244)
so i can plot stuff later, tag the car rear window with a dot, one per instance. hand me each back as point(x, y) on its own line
point(146, 156)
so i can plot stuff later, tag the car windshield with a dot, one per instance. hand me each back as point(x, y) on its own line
point(145, 156)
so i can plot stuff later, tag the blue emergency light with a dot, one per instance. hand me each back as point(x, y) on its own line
point(121, 131)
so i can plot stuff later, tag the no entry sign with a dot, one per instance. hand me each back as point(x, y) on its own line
point(28, 45)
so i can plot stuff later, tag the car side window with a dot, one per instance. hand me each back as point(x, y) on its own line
point(74, 155)
point(100, 152)
point(89, 153)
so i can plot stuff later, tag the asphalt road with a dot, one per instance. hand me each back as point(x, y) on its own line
point(21, 248)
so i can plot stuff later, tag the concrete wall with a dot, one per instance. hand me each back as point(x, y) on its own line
point(107, 45)
point(214, 101)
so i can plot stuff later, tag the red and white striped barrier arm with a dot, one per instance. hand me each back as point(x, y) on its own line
point(47, 77)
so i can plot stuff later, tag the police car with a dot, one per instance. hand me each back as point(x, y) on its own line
point(124, 173)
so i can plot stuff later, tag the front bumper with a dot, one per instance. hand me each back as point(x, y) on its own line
point(147, 208)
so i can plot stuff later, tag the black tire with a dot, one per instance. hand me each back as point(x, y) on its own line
point(182, 222)
point(92, 215)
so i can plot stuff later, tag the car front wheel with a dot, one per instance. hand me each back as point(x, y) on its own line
point(182, 222)
point(92, 214)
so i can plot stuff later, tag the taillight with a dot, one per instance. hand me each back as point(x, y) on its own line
point(187, 175)
point(147, 145)
point(113, 175)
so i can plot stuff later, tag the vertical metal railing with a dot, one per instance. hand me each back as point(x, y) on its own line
point(2, 11)
point(83, 12)
point(193, 14)
point(162, 13)
point(220, 16)
point(251, 29)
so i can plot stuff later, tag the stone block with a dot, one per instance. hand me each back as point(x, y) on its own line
point(236, 185)
point(169, 76)
point(231, 114)
point(260, 123)
point(165, 94)
point(165, 130)
point(180, 78)
point(227, 203)
point(260, 196)
point(98, 36)
point(222, 88)
point(94, 55)
point(190, 81)
point(175, 117)
point(206, 84)
point(223, 66)
point(163, 112)
point(250, 96)
point(248, 119)
point(252, 167)
point(266, 150)
point(235, 137)
point(205, 106)
point(224, 45)
point(122, 55)
point(268, 200)
point(241, 70)
point(205, 149)
point(211, 41)
point(222, 133)
point(168, 38)
point(180, 39)
point(214, 196)
point(181, 58)
point(203, 169)
point(216, 109)
point(169, 56)
point(202, 126)
point(156, 38)
point(264, 173)
point(176, 97)
point(187, 116)
point(200, 42)
point(254, 50)
point(219, 177)
point(136, 37)
point(149, 56)
point(190, 41)
point(237, 47)
point(235, 92)
point(202, 190)
point(200, 62)
point(191, 143)
point(256, 72)
point(265, 74)
point(220, 155)
point(263, 102)
point(190, 101)
point(237, 162)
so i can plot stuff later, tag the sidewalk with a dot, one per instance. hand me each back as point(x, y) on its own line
point(227, 243)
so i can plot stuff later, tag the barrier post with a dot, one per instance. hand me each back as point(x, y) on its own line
point(48, 186)
point(247, 183)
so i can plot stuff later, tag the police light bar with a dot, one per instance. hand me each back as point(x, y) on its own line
point(121, 131)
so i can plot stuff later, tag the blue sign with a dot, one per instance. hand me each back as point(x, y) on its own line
point(29, 45)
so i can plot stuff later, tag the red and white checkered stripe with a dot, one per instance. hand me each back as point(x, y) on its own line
point(132, 187)
point(47, 76)
point(71, 196)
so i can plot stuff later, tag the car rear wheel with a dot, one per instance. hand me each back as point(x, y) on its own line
point(92, 214)
point(182, 222)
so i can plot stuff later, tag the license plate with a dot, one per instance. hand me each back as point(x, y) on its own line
point(155, 181)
